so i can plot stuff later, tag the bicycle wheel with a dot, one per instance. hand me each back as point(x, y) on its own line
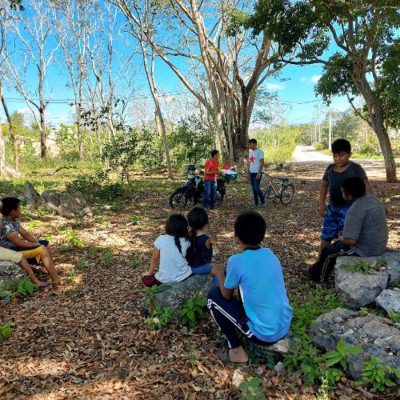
point(268, 192)
point(219, 198)
point(287, 193)
point(181, 199)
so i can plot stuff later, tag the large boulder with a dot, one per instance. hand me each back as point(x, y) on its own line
point(356, 289)
point(389, 300)
point(180, 292)
point(52, 198)
point(8, 272)
point(34, 199)
point(377, 336)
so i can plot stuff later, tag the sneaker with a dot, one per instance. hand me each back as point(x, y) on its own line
point(262, 205)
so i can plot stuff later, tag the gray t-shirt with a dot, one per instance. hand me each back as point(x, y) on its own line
point(366, 222)
point(335, 180)
point(173, 264)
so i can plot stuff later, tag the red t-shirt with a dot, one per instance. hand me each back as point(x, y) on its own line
point(211, 166)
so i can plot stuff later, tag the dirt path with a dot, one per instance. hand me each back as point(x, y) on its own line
point(309, 156)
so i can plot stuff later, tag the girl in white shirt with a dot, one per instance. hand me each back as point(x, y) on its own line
point(170, 253)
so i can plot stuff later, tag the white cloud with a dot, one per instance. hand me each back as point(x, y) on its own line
point(316, 78)
point(303, 79)
point(274, 86)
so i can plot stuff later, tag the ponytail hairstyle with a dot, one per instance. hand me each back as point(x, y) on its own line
point(177, 227)
point(197, 219)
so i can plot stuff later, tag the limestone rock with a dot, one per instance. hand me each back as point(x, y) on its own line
point(8, 272)
point(52, 198)
point(33, 197)
point(389, 300)
point(377, 336)
point(72, 205)
point(180, 292)
point(276, 351)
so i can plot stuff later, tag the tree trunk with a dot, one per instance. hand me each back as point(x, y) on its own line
point(79, 110)
point(162, 132)
point(42, 128)
point(11, 128)
point(2, 152)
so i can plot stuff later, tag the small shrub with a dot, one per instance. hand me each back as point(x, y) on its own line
point(71, 277)
point(161, 316)
point(107, 258)
point(5, 331)
point(95, 250)
point(252, 388)
point(134, 263)
point(359, 266)
point(377, 374)
point(339, 356)
point(192, 311)
point(83, 265)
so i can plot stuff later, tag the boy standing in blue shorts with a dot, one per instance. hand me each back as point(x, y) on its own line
point(335, 174)
point(263, 315)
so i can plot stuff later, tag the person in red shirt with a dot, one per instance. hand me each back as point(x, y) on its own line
point(210, 179)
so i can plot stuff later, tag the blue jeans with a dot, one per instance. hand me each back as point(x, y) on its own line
point(205, 270)
point(255, 184)
point(210, 188)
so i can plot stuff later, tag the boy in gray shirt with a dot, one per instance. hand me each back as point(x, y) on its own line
point(365, 231)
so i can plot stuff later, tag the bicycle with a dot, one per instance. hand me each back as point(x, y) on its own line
point(285, 192)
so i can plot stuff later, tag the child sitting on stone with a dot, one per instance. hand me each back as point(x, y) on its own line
point(265, 315)
point(200, 252)
point(30, 247)
point(170, 252)
point(365, 232)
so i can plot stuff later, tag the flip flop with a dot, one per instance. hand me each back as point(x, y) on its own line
point(42, 286)
point(223, 355)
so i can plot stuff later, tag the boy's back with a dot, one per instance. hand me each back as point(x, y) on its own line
point(366, 222)
point(259, 276)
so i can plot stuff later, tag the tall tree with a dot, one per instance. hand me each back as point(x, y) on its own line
point(33, 34)
point(366, 58)
point(223, 74)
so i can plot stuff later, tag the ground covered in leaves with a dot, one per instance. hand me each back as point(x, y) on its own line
point(89, 338)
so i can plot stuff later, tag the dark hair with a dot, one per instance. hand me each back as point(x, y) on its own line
point(354, 187)
point(9, 204)
point(177, 227)
point(340, 145)
point(250, 228)
point(214, 152)
point(197, 219)
point(252, 141)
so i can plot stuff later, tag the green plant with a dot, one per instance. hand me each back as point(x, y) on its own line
point(359, 266)
point(150, 301)
point(134, 263)
point(192, 311)
point(251, 388)
point(71, 240)
point(71, 277)
point(339, 356)
point(394, 317)
point(107, 258)
point(377, 374)
point(160, 317)
point(134, 220)
point(95, 250)
point(83, 265)
point(5, 331)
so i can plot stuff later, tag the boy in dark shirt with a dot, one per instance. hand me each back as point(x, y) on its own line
point(365, 231)
point(335, 174)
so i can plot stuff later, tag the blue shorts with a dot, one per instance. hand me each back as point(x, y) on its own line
point(333, 222)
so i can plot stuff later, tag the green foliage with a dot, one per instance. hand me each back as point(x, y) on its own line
point(304, 356)
point(192, 311)
point(107, 258)
point(339, 356)
point(190, 142)
point(95, 250)
point(71, 240)
point(5, 331)
point(134, 263)
point(23, 287)
point(71, 277)
point(252, 388)
point(359, 266)
point(134, 220)
point(83, 265)
point(377, 374)
point(394, 317)
point(160, 316)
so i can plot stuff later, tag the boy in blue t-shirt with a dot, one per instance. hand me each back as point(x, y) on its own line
point(265, 315)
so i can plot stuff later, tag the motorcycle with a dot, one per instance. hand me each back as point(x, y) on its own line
point(192, 192)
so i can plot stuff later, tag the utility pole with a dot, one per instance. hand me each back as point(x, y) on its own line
point(330, 125)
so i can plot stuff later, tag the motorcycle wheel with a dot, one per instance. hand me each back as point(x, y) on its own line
point(181, 199)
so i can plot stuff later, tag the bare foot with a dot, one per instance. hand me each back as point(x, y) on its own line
point(57, 281)
point(238, 355)
point(37, 282)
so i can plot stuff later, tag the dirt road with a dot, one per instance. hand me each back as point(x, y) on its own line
point(309, 156)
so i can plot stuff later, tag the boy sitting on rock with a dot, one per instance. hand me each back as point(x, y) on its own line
point(365, 232)
point(30, 247)
point(263, 315)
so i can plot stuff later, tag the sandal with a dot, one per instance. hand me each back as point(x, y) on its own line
point(223, 355)
point(42, 286)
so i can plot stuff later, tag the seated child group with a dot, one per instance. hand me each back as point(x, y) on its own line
point(354, 224)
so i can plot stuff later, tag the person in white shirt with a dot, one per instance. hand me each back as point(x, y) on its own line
point(256, 165)
point(170, 251)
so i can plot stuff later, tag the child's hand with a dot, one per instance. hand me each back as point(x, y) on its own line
point(147, 274)
point(322, 210)
point(216, 270)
